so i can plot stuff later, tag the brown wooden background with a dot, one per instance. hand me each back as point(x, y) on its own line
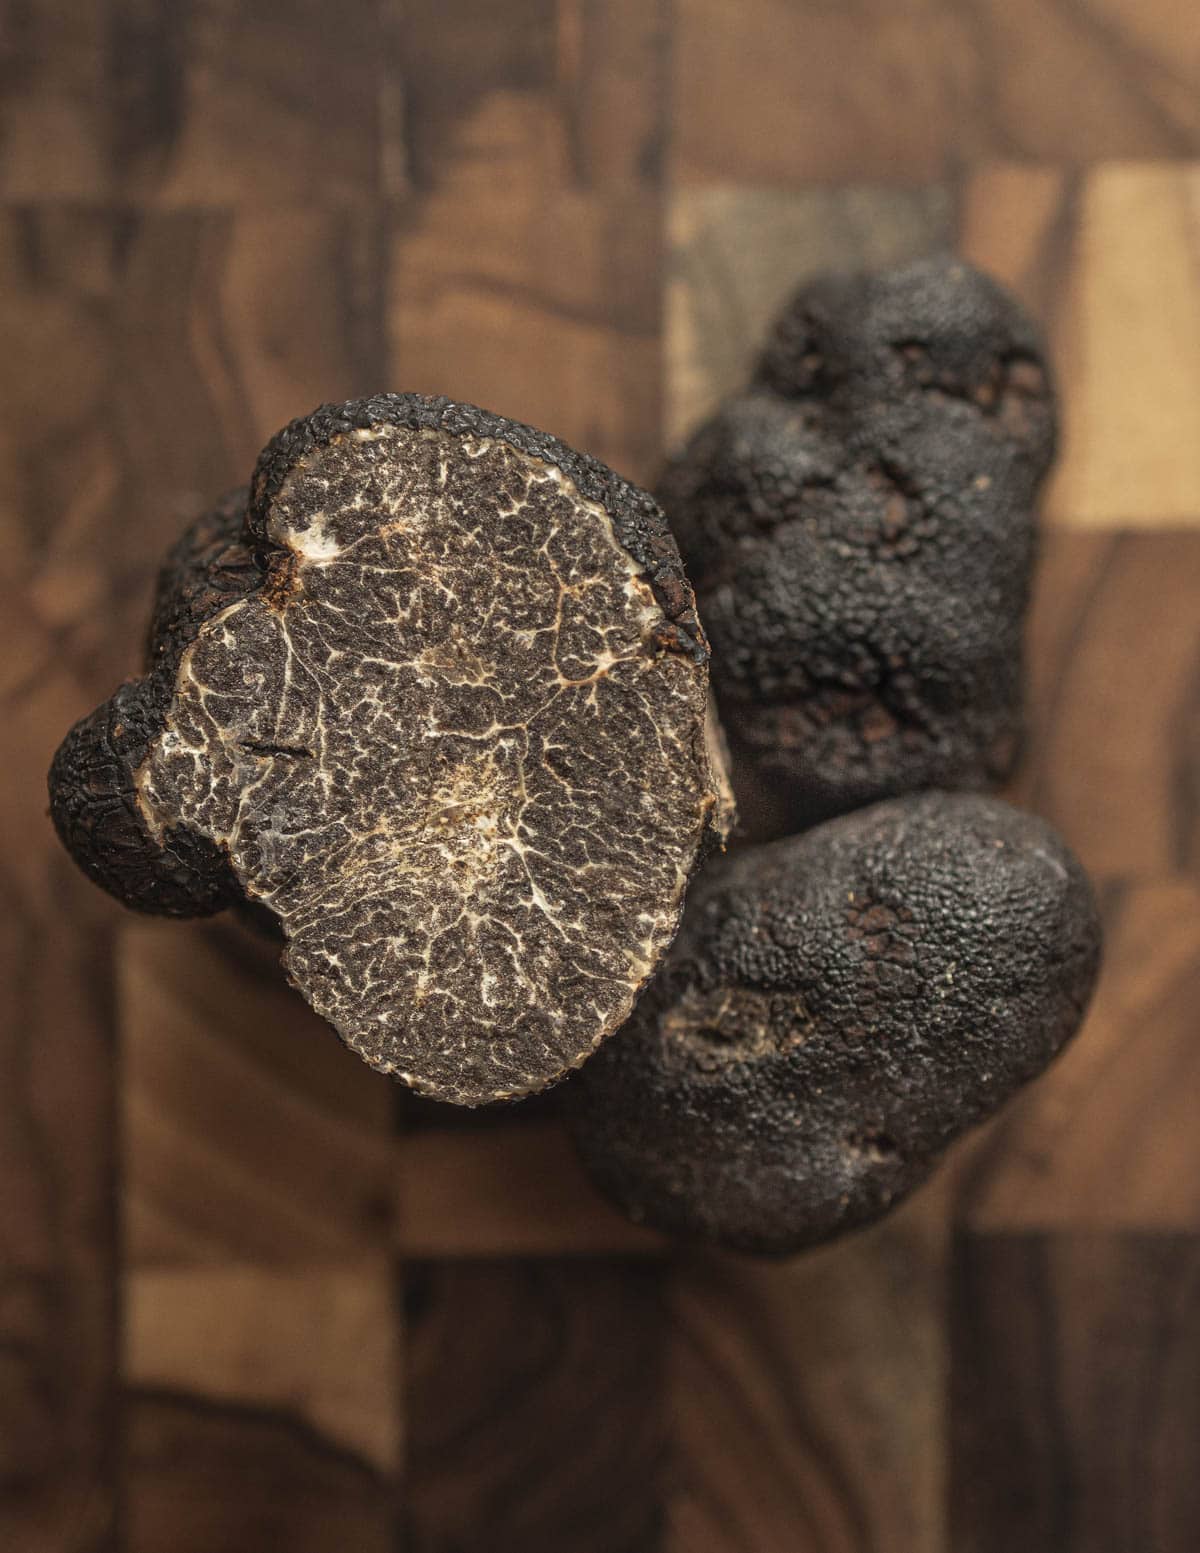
point(247, 1300)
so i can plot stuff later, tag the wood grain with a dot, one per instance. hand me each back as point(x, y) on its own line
point(314, 1343)
point(55, 110)
point(1129, 340)
point(535, 1406)
point(220, 1476)
point(806, 1397)
point(792, 92)
point(1114, 646)
point(60, 456)
point(57, 1231)
point(509, 1190)
point(539, 305)
point(249, 1132)
point(1075, 1402)
point(1017, 220)
point(524, 268)
point(260, 102)
point(614, 80)
point(58, 1250)
point(1110, 259)
point(261, 1352)
point(159, 351)
point(565, 88)
point(214, 216)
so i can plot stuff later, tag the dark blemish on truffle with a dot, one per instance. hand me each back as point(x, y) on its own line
point(884, 982)
point(859, 528)
point(433, 695)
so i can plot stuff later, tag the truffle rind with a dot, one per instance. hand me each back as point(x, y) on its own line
point(93, 782)
point(836, 1009)
point(859, 528)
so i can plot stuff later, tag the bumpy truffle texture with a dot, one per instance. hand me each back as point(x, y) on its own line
point(859, 528)
point(837, 1007)
point(434, 694)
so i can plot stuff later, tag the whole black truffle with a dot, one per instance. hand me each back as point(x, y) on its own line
point(859, 529)
point(836, 1009)
point(433, 693)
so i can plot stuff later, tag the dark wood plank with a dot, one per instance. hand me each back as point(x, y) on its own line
point(57, 1039)
point(525, 266)
point(515, 1188)
point(539, 304)
point(1115, 645)
point(807, 1397)
point(270, 102)
point(1114, 650)
point(57, 1225)
point(460, 64)
point(189, 102)
point(244, 1480)
point(569, 87)
point(1075, 1404)
point(1112, 760)
point(534, 1402)
point(614, 78)
point(54, 107)
point(791, 91)
point(61, 463)
point(58, 1332)
point(250, 1133)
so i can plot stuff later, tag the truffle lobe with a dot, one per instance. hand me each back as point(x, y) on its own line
point(837, 1008)
point(859, 528)
point(94, 778)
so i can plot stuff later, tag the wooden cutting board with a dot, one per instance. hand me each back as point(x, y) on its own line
point(249, 1298)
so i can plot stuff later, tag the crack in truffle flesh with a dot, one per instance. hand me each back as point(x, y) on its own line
point(836, 1009)
point(452, 736)
point(859, 528)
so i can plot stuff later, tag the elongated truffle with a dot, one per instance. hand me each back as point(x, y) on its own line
point(836, 1009)
point(859, 528)
point(433, 692)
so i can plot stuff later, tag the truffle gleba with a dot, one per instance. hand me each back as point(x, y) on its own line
point(859, 528)
point(433, 693)
point(836, 1009)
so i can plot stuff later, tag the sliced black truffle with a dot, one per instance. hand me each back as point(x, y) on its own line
point(836, 1009)
point(859, 529)
point(434, 694)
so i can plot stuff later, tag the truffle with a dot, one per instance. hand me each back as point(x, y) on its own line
point(858, 525)
point(433, 692)
point(836, 1009)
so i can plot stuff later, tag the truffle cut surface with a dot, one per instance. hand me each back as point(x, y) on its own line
point(453, 739)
